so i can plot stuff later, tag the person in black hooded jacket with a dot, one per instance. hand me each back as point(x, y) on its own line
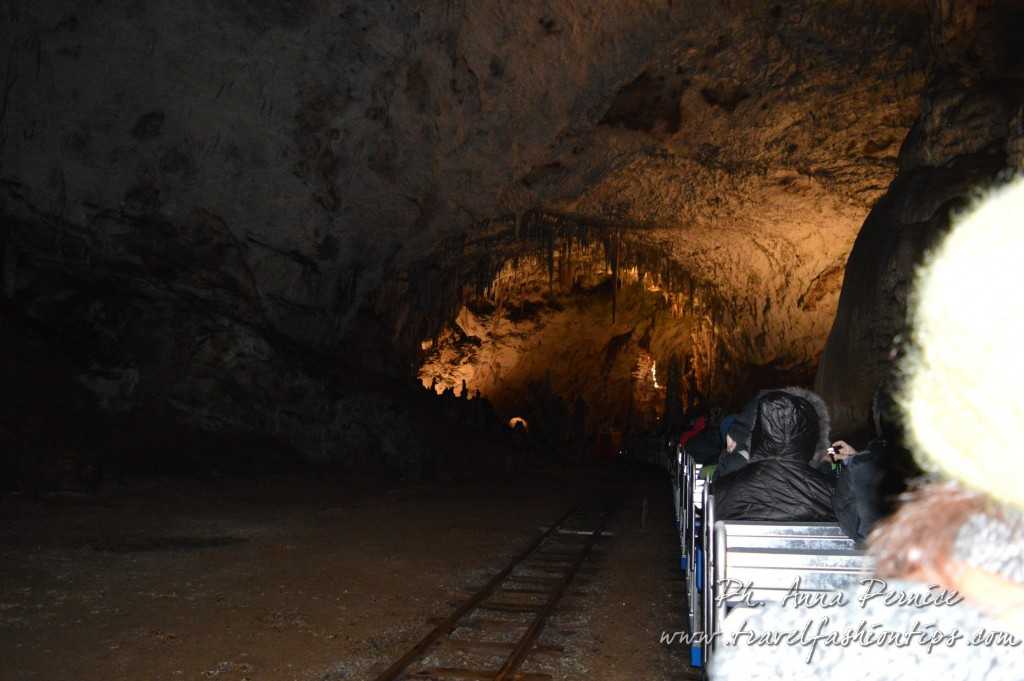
point(779, 484)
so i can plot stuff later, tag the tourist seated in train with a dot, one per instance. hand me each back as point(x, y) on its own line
point(950, 561)
point(870, 480)
point(706, 446)
point(734, 455)
point(696, 423)
point(743, 423)
point(737, 440)
point(778, 483)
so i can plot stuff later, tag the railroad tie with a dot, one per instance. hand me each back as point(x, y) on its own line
point(499, 647)
point(448, 673)
point(554, 560)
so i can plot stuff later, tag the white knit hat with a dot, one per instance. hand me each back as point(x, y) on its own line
point(964, 379)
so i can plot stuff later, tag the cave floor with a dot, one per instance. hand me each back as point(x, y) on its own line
point(314, 580)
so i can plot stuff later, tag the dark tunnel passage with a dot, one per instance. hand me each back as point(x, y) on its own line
point(312, 312)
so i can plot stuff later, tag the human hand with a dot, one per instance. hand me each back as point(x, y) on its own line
point(841, 450)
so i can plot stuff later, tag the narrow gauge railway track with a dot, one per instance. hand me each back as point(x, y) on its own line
point(527, 591)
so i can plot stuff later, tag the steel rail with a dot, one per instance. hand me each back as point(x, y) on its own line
point(450, 623)
point(515, 659)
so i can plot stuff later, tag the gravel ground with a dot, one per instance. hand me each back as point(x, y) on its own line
point(314, 580)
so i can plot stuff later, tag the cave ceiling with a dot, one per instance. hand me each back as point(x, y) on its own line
point(355, 177)
point(746, 154)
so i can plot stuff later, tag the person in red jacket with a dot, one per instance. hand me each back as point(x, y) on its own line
point(698, 426)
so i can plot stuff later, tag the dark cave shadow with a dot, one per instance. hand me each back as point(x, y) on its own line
point(151, 544)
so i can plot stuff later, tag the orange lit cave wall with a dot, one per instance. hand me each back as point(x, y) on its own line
point(602, 321)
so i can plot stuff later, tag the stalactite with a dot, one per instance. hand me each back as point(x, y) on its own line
point(673, 395)
point(514, 250)
point(615, 275)
point(549, 253)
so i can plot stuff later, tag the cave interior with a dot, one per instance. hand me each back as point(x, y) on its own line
point(413, 245)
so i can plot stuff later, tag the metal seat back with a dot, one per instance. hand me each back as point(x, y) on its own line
point(771, 559)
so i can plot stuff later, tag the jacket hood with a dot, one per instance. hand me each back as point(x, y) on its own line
point(824, 421)
point(742, 428)
point(786, 427)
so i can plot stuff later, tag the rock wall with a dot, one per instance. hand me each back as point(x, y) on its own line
point(599, 320)
point(969, 136)
point(223, 206)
